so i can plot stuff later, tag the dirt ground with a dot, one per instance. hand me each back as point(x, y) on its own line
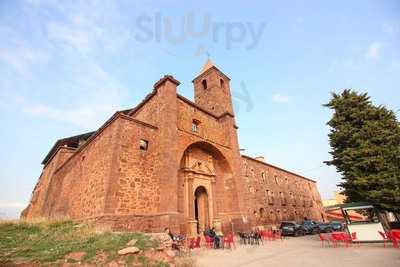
point(301, 251)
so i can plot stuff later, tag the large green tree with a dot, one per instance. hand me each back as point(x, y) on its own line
point(365, 142)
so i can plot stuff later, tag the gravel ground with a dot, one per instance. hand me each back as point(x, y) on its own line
point(301, 251)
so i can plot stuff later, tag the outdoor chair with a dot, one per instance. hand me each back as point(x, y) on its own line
point(347, 240)
point(269, 235)
point(393, 238)
point(194, 242)
point(336, 240)
point(264, 235)
point(324, 239)
point(209, 242)
point(388, 237)
point(242, 239)
point(245, 238)
point(256, 238)
point(229, 241)
point(277, 235)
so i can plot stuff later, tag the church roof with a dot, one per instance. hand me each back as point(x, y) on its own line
point(207, 67)
point(209, 64)
point(276, 167)
point(72, 141)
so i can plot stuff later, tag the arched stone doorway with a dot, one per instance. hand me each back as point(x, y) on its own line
point(201, 209)
point(206, 189)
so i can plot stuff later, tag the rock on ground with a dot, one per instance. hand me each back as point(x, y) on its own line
point(128, 250)
point(132, 242)
point(163, 239)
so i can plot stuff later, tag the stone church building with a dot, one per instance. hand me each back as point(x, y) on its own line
point(170, 162)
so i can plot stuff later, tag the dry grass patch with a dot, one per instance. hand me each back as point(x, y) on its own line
point(48, 242)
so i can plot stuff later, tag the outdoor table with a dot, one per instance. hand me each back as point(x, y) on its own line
point(341, 237)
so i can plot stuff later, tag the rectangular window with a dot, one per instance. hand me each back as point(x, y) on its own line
point(195, 126)
point(270, 196)
point(144, 144)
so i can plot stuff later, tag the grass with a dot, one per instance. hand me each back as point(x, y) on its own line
point(49, 242)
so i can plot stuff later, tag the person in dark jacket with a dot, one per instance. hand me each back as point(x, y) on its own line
point(174, 239)
point(211, 233)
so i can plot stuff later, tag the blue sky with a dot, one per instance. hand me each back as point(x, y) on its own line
point(65, 67)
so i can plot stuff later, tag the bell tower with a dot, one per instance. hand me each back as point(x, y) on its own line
point(212, 91)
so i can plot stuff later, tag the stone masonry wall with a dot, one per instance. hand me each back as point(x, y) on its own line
point(35, 208)
point(209, 127)
point(136, 180)
point(274, 194)
point(78, 188)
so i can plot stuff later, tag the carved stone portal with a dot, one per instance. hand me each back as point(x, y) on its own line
point(199, 173)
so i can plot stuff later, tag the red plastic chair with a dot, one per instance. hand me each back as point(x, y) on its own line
point(332, 240)
point(393, 238)
point(267, 235)
point(209, 242)
point(347, 240)
point(343, 237)
point(388, 237)
point(277, 235)
point(194, 243)
point(324, 239)
point(354, 239)
point(264, 235)
point(229, 240)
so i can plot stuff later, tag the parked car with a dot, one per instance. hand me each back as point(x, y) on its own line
point(336, 226)
point(325, 228)
point(310, 227)
point(290, 228)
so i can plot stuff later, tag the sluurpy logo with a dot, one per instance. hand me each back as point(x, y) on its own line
point(160, 28)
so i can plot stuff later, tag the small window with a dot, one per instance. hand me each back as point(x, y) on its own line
point(195, 126)
point(144, 144)
point(221, 82)
point(204, 83)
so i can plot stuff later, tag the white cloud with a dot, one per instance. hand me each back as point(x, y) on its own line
point(280, 99)
point(100, 95)
point(89, 27)
point(87, 117)
point(77, 38)
point(374, 51)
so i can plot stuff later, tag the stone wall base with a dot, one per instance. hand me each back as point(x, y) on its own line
point(158, 222)
point(138, 223)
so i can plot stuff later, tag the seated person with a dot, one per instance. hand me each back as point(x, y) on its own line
point(215, 237)
point(174, 240)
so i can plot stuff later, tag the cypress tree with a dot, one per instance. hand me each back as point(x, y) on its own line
point(365, 149)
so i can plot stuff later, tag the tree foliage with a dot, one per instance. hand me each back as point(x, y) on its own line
point(365, 142)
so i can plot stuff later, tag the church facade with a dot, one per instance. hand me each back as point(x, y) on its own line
point(170, 162)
